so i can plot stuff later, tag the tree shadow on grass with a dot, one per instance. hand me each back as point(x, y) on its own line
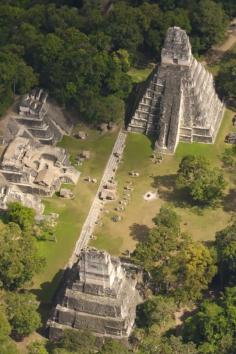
point(168, 192)
point(229, 202)
point(139, 232)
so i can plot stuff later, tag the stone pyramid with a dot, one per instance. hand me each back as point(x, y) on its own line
point(101, 297)
point(179, 101)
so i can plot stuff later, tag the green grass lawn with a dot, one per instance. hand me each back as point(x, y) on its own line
point(116, 237)
point(72, 213)
point(139, 75)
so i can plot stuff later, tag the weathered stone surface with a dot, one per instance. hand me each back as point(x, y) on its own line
point(101, 297)
point(178, 102)
point(11, 193)
point(36, 168)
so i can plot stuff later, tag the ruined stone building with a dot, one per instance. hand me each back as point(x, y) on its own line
point(179, 102)
point(101, 297)
point(36, 168)
point(36, 118)
point(11, 193)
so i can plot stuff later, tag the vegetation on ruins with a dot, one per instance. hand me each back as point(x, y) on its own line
point(47, 42)
point(204, 184)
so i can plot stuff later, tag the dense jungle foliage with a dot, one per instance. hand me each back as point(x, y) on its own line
point(81, 54)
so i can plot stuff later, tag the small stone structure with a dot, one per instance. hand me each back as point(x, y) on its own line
point(178, 101)
point(231, 138)
point(81, 135)
point(36, 168)
point(85, 154)
point(100, 296)
point(66, 193)
point(108, 191)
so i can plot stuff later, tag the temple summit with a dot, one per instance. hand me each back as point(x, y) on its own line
point(179, 101)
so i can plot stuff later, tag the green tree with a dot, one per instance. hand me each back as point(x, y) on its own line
point(226, 254)
point(7, 346)
point(209, 23)
point(21, 215)
point(22, 313)
point(19, 259)
point(114, 347)
point(81, 342)
point(154, 344)
point(37, 347)
point(212, 328)
point(197, 270)
point(157, 310)
point(205, 185)
point(177, 266)
point(228, 157)
point(110, 108)
point(124, 25)
point(226, 78)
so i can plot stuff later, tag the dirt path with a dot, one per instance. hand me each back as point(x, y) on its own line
point(217, 52)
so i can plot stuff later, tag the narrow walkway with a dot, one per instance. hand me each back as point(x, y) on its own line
point(97, 205)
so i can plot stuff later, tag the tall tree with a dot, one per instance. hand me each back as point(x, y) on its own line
point(22, 314)
point(19, 259)
point(177, 266)
point(226, 254)
point(204, 184)
point(21, 215)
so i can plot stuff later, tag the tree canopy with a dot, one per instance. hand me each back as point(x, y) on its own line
point(19, 259)
point(212, 328)
point(71, 47)
point(22, 313)
point(178, 266)
point(204, 184)
point(226, 254)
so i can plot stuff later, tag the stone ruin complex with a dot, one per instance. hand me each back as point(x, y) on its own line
point(36, 168)
point(179, 102)
point(37, 119)
point(100, 296)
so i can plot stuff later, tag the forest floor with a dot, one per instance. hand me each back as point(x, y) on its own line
point(202, 224)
